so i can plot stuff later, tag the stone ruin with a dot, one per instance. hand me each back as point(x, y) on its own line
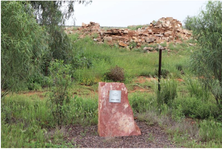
point(164, 30)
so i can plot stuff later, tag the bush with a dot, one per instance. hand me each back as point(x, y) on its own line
point(115, 74)
point(59, 97)
point(197, 89)
point(168, 92)
point(211, 130)
point(196, 108)
point(141, 102)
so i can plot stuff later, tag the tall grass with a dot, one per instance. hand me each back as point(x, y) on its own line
point(168, 91)
point(25, 122)
point(102, 57)
point(196, 88)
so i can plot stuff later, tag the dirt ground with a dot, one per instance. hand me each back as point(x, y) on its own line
point(87, 137)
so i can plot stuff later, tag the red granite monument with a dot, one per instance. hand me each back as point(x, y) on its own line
point(115, 113)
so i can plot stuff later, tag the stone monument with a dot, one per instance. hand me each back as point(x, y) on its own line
point(115, 113)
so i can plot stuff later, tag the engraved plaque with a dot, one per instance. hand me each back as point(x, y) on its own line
point(115, 96)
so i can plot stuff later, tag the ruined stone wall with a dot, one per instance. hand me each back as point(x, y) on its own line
point(164, 30)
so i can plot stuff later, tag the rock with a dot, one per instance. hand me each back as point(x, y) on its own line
point(122, 44)
point(168, 33)
point(135, 39)
point(115, 119)
point(84, 25)
point(125, 31)
point(160, 47)
point(159, 35)
point(108, 39)
point(164, 30)
point(149, 40)
point(148, 49)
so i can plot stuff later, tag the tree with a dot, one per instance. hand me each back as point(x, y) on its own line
point(206, 61)
point(27, 45)
point(188, 23)
point(23, 43)
point(50, 15)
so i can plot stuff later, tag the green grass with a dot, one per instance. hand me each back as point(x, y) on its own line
point(103, 57)
point(27, 120)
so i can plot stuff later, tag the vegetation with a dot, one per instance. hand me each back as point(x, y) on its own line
point(59, 97)
point(23, 43)
point(115, 74)
point(67, 75)
point(206, 61)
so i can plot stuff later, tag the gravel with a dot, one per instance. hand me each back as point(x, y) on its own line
point(87, 137)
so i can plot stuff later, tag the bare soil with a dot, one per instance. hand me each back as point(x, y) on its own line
point(87, 137)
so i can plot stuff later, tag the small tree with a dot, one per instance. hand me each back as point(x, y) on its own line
point(206, 61)
point(61, 79)
point(23, 43)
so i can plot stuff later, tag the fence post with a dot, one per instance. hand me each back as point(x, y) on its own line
point(159, 71)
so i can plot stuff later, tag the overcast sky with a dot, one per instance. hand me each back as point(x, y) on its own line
point(122, 13)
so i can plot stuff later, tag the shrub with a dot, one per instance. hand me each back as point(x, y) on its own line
point(115, 74)
point(59, 92)
point(141, 102)
point(206, 60)
point(168, 92)
point(211, 130)
point(196, 108)
point(197, 89)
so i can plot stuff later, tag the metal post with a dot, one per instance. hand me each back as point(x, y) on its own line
point(159, 72)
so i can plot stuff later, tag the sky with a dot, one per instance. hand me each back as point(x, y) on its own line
point(122, 13)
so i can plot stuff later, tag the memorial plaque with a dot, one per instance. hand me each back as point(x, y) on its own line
point(115, 96)
point(115, 115)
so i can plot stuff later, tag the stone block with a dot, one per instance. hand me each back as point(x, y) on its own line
point(115, 119)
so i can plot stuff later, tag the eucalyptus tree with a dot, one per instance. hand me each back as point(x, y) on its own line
point(206, 61)
point(23, 43)
point(52, 15)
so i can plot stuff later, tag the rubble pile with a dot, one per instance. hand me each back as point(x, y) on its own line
point(164, 30)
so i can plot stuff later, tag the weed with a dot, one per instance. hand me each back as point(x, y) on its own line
point(168, 92)
point(197, 89)
point(141, 102)
point(196, 108)
point(115, 74)
point(132, 45)
point(211, 131)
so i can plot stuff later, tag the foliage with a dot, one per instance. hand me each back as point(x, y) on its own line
point(168, 92)
point(141, 102)
point(188, 23)
point(197, 108)
point(23, 44)
point(211, 130)
point(206, 61)
point(197, 89)
point(25, 120)
point(115, 74)
point(132, 45)
point(59, 97)
point(51, 15)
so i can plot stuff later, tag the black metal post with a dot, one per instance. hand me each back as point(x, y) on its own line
point(159, 72)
